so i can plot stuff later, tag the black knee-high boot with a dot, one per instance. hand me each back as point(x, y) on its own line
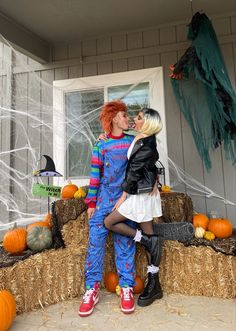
point(152, 290)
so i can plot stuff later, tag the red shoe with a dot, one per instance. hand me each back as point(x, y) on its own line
point(127, 300)
point(90, 299)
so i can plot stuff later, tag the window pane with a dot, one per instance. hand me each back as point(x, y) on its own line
point(82, 129)
point(136, 97)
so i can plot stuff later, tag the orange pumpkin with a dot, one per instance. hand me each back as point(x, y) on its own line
point(7, 310)
point(48, 218)
point(111, 281)
point(68, 191)
point(14, 241)
point(139, 285)
point(40, 223)
point(221, 227)
point(200, 220)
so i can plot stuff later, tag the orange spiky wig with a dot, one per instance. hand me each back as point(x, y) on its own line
point(108, 112)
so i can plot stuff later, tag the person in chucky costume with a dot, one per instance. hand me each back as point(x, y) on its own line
point(108, 165)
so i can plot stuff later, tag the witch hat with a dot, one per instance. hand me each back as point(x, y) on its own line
point(49, 171)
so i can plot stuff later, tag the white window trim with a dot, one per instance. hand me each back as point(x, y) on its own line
point(153, 75)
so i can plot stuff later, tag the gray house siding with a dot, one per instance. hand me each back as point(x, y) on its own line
point(132, 50)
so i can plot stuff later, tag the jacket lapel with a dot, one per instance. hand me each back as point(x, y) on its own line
point(138, 144)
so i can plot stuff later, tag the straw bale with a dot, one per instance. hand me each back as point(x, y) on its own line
point(45, 278)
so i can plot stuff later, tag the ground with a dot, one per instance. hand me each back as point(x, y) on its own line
point(172, 313)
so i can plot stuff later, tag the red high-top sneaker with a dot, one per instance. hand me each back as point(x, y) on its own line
point(90, 299)
point(127, 300)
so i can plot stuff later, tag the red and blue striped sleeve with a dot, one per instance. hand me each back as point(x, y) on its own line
point(95, 175)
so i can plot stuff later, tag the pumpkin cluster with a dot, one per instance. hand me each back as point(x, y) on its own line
point(211, 228)
point(37, 237)
point(71, 191)
point(111, 282)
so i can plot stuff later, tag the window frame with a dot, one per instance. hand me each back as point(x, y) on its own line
point(152, 75)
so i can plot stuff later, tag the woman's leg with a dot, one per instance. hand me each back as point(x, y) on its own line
point(147, 228)
point(115, 222)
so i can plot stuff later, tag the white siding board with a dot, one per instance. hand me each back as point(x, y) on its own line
point(89, 47)
point(119, 43)
point(181, 32)
point(75, 50)
point(221, 26)
point(167, 35)
point(46, 116)
point(34, 129)
point(104, 67)
point(89, 69)
point(135, 40)
point(151, 61)
point(120, 65)
point(135, 63)
point(151, 38)
point(104, 45)
point(76, 71)
point(233, 24)
point(173, 116)
point(60, 52)
point(20, 140)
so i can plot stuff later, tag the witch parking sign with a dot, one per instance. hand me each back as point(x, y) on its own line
point(42, 190)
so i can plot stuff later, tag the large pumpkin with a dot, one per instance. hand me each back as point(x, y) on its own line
point(111, 281)
point(7, 310)
point(14, 241)
point(68, 191)
point(40, 223)
point(139, 285)
point(221, 227)
point(39, 238)
point(200, 220)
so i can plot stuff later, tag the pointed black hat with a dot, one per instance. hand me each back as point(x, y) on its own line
point(49, 170)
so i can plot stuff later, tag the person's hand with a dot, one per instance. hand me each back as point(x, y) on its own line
point(120, 201)
point(154, 190)
point(90, 212)
point(102, 136)
point(175, 76)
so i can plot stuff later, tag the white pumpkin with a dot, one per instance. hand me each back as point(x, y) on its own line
point(199, 232)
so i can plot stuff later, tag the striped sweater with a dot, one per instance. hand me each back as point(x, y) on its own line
point(108, 165)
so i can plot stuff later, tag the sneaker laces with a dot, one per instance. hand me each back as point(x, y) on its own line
point(126, 293)
point(87, 295)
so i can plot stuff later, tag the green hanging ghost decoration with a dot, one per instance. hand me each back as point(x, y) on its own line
point(204, 92)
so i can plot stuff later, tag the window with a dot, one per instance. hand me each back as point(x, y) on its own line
point(77, 103)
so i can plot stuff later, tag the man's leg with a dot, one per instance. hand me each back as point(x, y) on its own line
point(94, 263)
point(124, 249)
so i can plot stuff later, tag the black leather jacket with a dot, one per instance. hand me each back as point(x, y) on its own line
point(141, 171)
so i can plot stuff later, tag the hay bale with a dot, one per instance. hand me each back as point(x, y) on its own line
point(40, 280)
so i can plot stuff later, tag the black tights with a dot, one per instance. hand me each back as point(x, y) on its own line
point(115, 222)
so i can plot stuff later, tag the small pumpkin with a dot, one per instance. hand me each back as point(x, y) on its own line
point(39, 238)
point(221, 227)
point(48, 218)
point(165, 189)
point(208, 235)
point(199, 232)
point(118, 290)
point(80, 193)
point(14, 241)
point(7, 310)
point(139, 285)
point(111, 281)
point(200, 220)
point(69, 190)
point(39, 223)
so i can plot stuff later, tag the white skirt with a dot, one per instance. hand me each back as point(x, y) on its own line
point(141, 207)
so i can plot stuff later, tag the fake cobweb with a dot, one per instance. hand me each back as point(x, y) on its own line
point(30, 125)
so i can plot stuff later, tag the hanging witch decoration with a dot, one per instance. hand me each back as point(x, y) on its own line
point(48, 191)
point(204, 92)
